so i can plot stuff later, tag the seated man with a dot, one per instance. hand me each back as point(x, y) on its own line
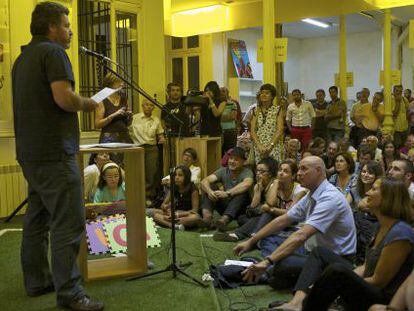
point(403, 170)
point(231, 200)
point(327, 221)
point(189, 158)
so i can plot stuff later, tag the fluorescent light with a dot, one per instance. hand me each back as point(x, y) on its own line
point(203, 20)
point(206, 9)
point(385, 4)
point(316, 23)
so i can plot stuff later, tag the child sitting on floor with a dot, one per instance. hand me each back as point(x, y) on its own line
point(111, 187)
point(186, 201)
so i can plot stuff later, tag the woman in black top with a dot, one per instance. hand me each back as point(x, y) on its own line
point(211, 113)
point(186, 201)
point(112, 114)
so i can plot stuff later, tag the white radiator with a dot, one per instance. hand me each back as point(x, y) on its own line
point(13, 189)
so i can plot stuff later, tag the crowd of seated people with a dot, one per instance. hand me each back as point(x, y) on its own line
point(315, 206)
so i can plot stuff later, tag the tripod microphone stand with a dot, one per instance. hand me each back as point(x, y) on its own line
point(18, 208)
point(173, 266)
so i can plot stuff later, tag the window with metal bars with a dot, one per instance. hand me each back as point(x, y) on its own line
point(126, 51)
point(94, 34)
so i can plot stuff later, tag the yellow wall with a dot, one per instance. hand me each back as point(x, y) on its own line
point(17, 27)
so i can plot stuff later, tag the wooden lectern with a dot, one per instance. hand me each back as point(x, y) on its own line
point(136, 260)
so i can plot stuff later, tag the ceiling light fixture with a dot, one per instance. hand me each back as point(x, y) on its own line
point(316, 23)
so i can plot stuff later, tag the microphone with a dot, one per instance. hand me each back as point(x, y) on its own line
point(86, 51)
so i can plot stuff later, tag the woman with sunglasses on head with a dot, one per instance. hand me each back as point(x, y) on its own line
point(272, 197)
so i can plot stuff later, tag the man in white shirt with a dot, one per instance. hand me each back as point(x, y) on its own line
point(299, 117)
point(146, 130)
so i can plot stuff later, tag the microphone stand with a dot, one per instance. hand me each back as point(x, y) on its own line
point(173, 266)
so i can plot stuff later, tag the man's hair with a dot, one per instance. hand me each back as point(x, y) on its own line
point(191, 152)
point(334, 87)
point(363, 150)
point(320, 91)
point(44, 15)
point(408, 166)
point(170, 85)
point(396, 86)
point(269, 87)
point(296, 91)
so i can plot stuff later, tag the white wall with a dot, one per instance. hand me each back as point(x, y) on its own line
point(313, 62)
point(250, 36)
point(319, 62)
point(407, 66)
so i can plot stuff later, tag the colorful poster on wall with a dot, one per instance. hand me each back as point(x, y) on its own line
point(240, 58)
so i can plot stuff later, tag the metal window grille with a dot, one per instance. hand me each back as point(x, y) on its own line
point(126, 51)
point(94, 34)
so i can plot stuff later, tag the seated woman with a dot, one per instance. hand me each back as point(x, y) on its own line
point(111, 187)
point(343, 177)
point(271, 198)
point(369, 173)
point(389, 259)
point(189, 158)
point(92, 172)
point(389, 154)
point(264, 197)
point(186, 200)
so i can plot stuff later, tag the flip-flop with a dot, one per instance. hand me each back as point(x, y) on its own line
point(282, 309)
point(277, 303)
point(224, 237)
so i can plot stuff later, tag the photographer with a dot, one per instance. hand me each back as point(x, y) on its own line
point(211, 113)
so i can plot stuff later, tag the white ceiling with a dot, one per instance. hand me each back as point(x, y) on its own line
point(355, 23)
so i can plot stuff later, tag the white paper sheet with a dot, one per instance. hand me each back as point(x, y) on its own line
point(104, 93)
point(108, 145)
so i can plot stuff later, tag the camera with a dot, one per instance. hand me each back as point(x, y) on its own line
point(195, 98)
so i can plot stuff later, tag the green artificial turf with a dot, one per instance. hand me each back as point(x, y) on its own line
point(160, 292)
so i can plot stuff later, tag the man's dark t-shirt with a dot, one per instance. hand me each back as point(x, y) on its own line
point(179, 110)
point(44, 131)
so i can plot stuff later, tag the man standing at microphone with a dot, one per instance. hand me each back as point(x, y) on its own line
point(47, 140)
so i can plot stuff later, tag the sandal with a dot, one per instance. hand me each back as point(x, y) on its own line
point(224, 237)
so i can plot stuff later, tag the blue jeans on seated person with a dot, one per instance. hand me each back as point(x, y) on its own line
point(284, 273)
point(231, 207)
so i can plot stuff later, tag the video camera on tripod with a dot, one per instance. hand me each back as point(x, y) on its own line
point(195, 98)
